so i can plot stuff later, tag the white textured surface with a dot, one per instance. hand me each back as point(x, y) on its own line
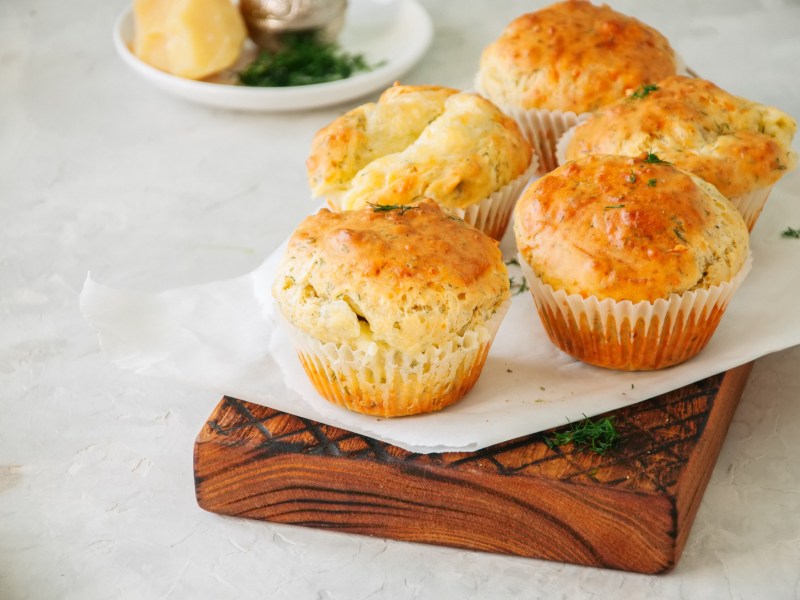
point(99, 172)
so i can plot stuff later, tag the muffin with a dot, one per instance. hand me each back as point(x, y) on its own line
point(741, 147)
point(392, 309)
point(424, 142)
point(631, 261)
point(550, 66)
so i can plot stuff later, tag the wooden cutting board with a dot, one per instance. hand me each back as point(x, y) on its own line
point(631, 509)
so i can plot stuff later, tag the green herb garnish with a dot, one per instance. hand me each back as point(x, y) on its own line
point(651, 182)
point(609, 207)
point(303, 60)
point(598, 436)
point(790, 232)
point(632, 177)
point(643, 90)
point(517, 287)
point(653, 159)
point(403, 208)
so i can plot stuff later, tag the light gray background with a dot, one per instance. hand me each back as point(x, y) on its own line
point(100, 172)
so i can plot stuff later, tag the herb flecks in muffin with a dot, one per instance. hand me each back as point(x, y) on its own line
point(598, 436)
point(643, 91)
point(613, 206)
point(652, 182)
point(303, 60)
point(791, 232)
point(652, 159)
point(403, 208)
point(632, 177)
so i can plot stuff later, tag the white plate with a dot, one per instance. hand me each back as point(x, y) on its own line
point(396, 49)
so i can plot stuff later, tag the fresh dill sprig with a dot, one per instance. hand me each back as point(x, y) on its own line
point(598, 436)
point(643, 90)
point(517, 287)
point(302, 60)
point(653, 159)
point(791, 232)
point(403, 208)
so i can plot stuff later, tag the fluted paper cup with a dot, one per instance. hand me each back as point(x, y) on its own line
point(492, 215)
point(632, 336)
point(371, 378)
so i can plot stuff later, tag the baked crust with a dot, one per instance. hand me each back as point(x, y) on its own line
point(735, 144)
point(619, 227)
point(572, 56)
point(417, 141)
point(349, 143)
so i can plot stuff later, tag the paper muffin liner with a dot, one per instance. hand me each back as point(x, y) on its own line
point(492, 215)
point(371, 378)
point(543, 128)
point(632, 336)
point(562, 144)
point(751, 204)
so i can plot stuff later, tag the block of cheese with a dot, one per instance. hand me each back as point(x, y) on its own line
point(188, 38)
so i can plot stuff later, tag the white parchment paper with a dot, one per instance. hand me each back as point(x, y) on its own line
point(223, 336)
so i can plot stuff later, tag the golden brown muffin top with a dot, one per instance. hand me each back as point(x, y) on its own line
point(417, 141)
point(352, 141)
point(735, 144)
point(624, 228)
point(572, 56)
point(409, 277)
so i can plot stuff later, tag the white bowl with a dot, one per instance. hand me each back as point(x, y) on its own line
point(395, 49)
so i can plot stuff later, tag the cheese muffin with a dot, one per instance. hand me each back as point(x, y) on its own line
point(631, 261)
point(741, 147)
point(424, 142)
point(392, 309)
point(570, 58)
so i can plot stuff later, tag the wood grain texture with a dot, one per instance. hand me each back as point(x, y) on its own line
point(631, 509)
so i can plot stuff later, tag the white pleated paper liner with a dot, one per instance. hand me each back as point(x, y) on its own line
point(372, 378)
point(632, 336)
point(492, 215)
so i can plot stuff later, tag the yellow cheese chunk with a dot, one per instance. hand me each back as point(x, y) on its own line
point(188, 38)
